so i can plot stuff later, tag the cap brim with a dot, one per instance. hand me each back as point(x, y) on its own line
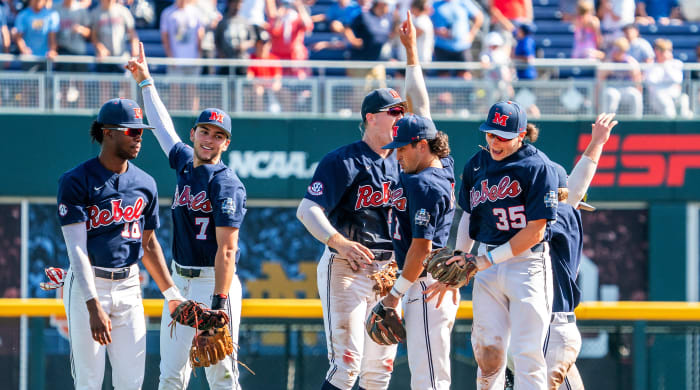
point(213, 124)
point(401, 103)
point(129, 125)
point(505, 134)
point(585, 206)
point(396, 144)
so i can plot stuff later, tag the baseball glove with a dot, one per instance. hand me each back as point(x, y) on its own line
point(198, 316)
point(211, 347)
point(384, 325)
point(454, 274)
point(384, 279)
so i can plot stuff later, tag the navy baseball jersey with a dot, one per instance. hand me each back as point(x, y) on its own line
point(208, 196)
point(502, 196)
point(354, 186)
point(424, 208)
point(565, 245)
point(116, 209)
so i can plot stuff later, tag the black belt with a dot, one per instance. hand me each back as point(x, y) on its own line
point(537, 248)
point(113, 275)
point(187, 272)
point(570, 318)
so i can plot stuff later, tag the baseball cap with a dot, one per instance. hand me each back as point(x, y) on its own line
point(123, 113)
point(216, 117)
point(380, 99)
point(411, 128)
point(506, 119)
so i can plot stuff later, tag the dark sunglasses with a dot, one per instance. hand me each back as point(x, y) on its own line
point(127, 131)
point(393, 111)
point(498, 137)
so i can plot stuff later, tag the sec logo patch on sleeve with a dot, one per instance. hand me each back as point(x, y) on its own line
point(422, 217)
point(316, 188)
point(228, 206)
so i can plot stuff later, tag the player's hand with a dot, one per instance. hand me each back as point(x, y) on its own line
point(407, 32)
point(357, 255)
point(100, 324)
point(482, 262)
point(138, 66)
point(390, 301)
point(601, 128)
point(172, 305)
point(439, 290)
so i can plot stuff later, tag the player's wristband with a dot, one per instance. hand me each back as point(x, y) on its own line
point(148, 81)
point(218, 301)
point(173, 294)
point(500, 254)
point(401, 285)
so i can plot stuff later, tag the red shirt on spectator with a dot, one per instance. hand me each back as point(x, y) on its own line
point(289, 44)
point(512, 9)
point(265, 72)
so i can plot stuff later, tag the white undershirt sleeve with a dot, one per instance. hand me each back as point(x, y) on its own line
point(417, 91)
point(314, 219)
point(464, 242)
point(75, 236)
point(159, 118)
point(580, 179)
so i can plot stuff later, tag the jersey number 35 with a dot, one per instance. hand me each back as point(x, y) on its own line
point(512, 218)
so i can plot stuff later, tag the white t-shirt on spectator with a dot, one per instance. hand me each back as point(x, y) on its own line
point(253, 11)
point(111, 26)
point(182, 25)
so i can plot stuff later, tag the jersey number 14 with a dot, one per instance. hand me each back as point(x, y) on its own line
point(512, 218)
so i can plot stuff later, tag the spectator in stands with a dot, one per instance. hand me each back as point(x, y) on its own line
point(234, 36)
point(690, 10)
point(267, 80)
point(368, 34)
point(288, 25)
point(73, 33)
point(4, 32)
point(524, 53)
point(626, 83)
point(337, 15)
point(111, 25)
point(181, 34)
point(420, 13)
point(658, 11)
point(640, 48)
point(495, 61)
point(614, 14)
point(453, 33)
point(587, 37)
point(505, 14)
point(569, 10)
point(36, 28)
point(663, 81)
point(210, 18)
point(254, 12)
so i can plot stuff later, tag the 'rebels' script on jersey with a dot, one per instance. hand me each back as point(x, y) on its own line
point(116, 209)
point(426, 210)
point(205, 198)
point(356, 187)
point(502, 196)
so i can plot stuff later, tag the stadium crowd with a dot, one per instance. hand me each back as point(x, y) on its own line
point(502, 39)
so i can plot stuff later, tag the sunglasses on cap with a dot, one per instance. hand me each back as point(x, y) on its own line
point(498, 137)
point(127, 131)
point(393, 111)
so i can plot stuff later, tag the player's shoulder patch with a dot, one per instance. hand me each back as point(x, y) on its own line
point(228, 206)
point(316, 188)
point(62, 210)
point(422, 217)
point(551, 199)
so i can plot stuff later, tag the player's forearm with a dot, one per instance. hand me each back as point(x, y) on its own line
point(315, 221)
point(154, 261)
point(464, 242)
point(75, 237)
point(580, 179)
point(416, 90)
point(528, 237)
point(413, 266)
point(159, 118)
point(224, 268)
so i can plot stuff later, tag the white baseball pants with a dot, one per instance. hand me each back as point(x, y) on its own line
point(121, 301)
point(175, 368)
point(347, 299)
point(561, 349)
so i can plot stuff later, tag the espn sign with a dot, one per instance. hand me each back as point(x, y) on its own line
point(645, 160)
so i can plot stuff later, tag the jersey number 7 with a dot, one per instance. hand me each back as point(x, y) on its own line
point(514, 218)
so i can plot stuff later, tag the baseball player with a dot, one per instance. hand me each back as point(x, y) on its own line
point(346, 207)
point(208, 209)
point(509, 195)
point(421, 218)
point(108, 210)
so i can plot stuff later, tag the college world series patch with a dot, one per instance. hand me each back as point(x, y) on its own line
point(228, 206)
point(422, 217)
point(551, 199)
point(316, 188)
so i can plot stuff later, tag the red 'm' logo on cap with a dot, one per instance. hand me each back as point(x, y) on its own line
point(396, 130)
point(138, 114)
point(216, 116)
point(500, 119)
point(394, 94)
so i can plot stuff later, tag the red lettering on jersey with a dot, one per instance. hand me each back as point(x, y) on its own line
point(398, 201)
point(367, 197)
point(500, 119)
point(217, 116)
point(504, 189)
point(199, 202)
point(138, 114)
point(98, 217)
